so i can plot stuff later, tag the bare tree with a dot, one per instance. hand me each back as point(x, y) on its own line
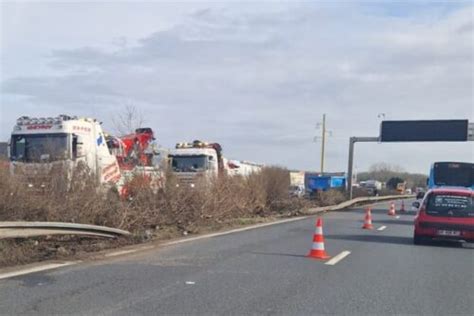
point(128, 120)
point(383, 167)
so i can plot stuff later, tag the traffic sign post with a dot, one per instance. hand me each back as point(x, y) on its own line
point(352, 142)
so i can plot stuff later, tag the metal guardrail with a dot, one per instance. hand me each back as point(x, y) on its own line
point(35, 229)
point(352, 202)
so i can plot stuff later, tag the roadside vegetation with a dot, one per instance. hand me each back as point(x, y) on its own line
point(174, 211)
point(392, 174)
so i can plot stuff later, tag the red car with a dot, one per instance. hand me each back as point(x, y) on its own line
point(445, 213)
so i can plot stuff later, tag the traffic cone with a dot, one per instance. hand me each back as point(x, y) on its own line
point(391, 210)
point(402, 208)
point(317, 250)
point(368, 219)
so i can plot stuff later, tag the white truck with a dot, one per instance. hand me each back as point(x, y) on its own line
point(242, 168)
point(38, 146)
point(372, 186)
point(191, 162)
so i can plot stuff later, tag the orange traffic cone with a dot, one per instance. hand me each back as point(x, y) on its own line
point(391, 210)
point(317, 250)
point(368, 219)
point(402, 208)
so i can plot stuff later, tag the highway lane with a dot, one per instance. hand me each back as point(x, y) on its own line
point(264, 271)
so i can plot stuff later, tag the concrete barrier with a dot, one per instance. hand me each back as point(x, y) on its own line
point(355, 201)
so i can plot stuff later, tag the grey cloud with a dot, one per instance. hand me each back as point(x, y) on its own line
point(466, 28)
point(259, 81)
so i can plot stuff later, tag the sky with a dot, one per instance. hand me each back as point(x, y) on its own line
point(254, 76)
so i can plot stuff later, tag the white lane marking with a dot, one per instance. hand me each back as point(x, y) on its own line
point(37, 269)
point(118, 253)
point(338, 258)
point(180, 241)
point(190, 282)
point(381, 228)
point(124, 252)
point(397, 217)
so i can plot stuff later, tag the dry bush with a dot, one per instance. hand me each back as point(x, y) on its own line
point(387, 191)
point(181, 206)
point(172, 209)
point(80, 200)
point(330, 197)
point(77, 200)
point(17, 251)
point(360, 192)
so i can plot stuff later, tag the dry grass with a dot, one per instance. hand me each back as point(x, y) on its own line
point(212, 205)
point(330, 197)
point(148, 215)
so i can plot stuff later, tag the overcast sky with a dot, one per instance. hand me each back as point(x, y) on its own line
point(256, 77)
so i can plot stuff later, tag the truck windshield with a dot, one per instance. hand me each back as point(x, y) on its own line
point(450, 205)
point(189, 163)
point(39, 147)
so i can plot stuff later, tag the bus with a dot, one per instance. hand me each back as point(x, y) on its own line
point(451, 174)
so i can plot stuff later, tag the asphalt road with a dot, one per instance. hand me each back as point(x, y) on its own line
point(264, 271)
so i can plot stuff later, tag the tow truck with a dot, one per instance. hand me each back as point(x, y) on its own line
point(69, 144)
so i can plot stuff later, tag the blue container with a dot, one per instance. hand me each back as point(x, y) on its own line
point(319, 183)
point(315, 182)
point(338, 182)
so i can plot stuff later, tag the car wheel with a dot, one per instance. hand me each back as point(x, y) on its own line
point(418, 240)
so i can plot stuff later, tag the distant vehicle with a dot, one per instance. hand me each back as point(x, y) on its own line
point(241, 168)
point(420, 192)
point(373, 187)
point(451, 174)
point(401, 187)
point(445, 213)
point(297, 178)
point(420, 195)
point(373, 184)
point(137, 155)
point(297, 190)
point(191, 162)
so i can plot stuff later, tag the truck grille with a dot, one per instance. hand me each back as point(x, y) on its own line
point(186, 179)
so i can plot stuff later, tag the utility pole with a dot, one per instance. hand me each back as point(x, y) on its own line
point(324, 134)
point(323, 142)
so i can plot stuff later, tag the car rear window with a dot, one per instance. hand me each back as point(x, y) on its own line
point(450, 205)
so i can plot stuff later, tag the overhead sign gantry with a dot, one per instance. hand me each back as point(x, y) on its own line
point(414, 131)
